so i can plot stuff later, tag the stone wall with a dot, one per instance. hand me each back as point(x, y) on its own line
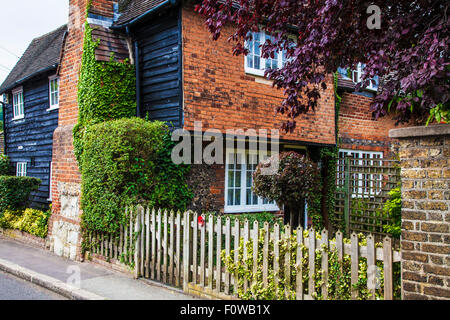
point(425, 240)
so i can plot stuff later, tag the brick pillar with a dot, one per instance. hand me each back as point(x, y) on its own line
point(64, 225)
point(425, 240)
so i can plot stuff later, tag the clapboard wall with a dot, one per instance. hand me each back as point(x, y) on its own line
point(30, 139)
point(159, 43)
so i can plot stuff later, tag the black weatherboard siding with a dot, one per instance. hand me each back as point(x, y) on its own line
point(30, 139)
point(159, 43)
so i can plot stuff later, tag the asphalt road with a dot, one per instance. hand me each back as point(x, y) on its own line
point(13, 288)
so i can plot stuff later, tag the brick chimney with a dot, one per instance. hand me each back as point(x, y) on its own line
point(64, 225)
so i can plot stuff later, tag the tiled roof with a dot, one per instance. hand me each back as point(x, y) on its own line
point(42, 53)
point(135, 8)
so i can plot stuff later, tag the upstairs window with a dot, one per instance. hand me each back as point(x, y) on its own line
point(18, 109)
point(356, 75)
point(54, 92)
point(21, 169)
point(254, 62)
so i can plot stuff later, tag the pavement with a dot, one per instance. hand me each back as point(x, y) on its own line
point(75, 280)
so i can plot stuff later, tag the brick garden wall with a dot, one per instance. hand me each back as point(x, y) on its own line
point(425, 240)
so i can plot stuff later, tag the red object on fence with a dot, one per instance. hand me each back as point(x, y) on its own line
point(201, 221)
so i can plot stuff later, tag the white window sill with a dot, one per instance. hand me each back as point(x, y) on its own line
point(254, 72)
point(249, 209)
point(19, 117)
point(55, 107)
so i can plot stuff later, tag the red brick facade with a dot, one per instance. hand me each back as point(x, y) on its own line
point(358, 130)
point(218, 92)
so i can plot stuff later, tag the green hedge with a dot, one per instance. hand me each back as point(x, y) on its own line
point(4, 164)
point(15, 191)
point(127, 162)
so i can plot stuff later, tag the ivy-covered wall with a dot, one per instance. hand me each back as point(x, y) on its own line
point(106, 90)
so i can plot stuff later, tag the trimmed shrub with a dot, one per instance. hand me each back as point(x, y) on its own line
point(15, 191)
point(4, 164)
point(32, 221)
point(296, 179)
point(127, 162)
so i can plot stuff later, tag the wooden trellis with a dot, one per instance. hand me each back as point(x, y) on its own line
point(362, 190)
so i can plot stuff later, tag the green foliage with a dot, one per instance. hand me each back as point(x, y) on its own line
point(440, 113)
point(297, 178)
point(32, 221)
point(4, 164)
point(261, 217)
point(106, 91)
point(15, 191)
point(127, 162)
point(393, 209)
point(339, 280)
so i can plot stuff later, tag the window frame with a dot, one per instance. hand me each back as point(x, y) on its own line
point(56, 105)
point(260, 72)
point(21, 169)
point(358, 74)
point(20, 107)
point(362, 189)
point(243, 207)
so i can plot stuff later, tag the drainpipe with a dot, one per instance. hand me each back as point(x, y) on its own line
point(138, 80)
point(4, 125)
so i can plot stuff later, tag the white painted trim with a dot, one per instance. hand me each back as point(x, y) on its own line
point(54, 106)
point(23, 170)
point(18, 91)
point(243, 208)
point(260, 72)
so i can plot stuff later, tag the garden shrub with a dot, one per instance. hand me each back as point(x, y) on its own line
point(393, 209)
point(29, 220)
point(339, 274)
point(296, 179)
point(4, 164)
point(15, 191)
point(127, 162)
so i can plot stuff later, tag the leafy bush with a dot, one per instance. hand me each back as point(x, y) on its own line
point(296, 179)
point(32, 221)
point(127, 162)
point(393, 209)
point(339, 274)
point(15, 191)
point(4, 164)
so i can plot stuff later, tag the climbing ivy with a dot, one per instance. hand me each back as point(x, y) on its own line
point(328, 157)
point(106, 90)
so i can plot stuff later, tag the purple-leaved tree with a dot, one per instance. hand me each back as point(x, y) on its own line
point(405, 43)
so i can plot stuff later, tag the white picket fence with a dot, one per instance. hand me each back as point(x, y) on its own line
point(178, 250)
